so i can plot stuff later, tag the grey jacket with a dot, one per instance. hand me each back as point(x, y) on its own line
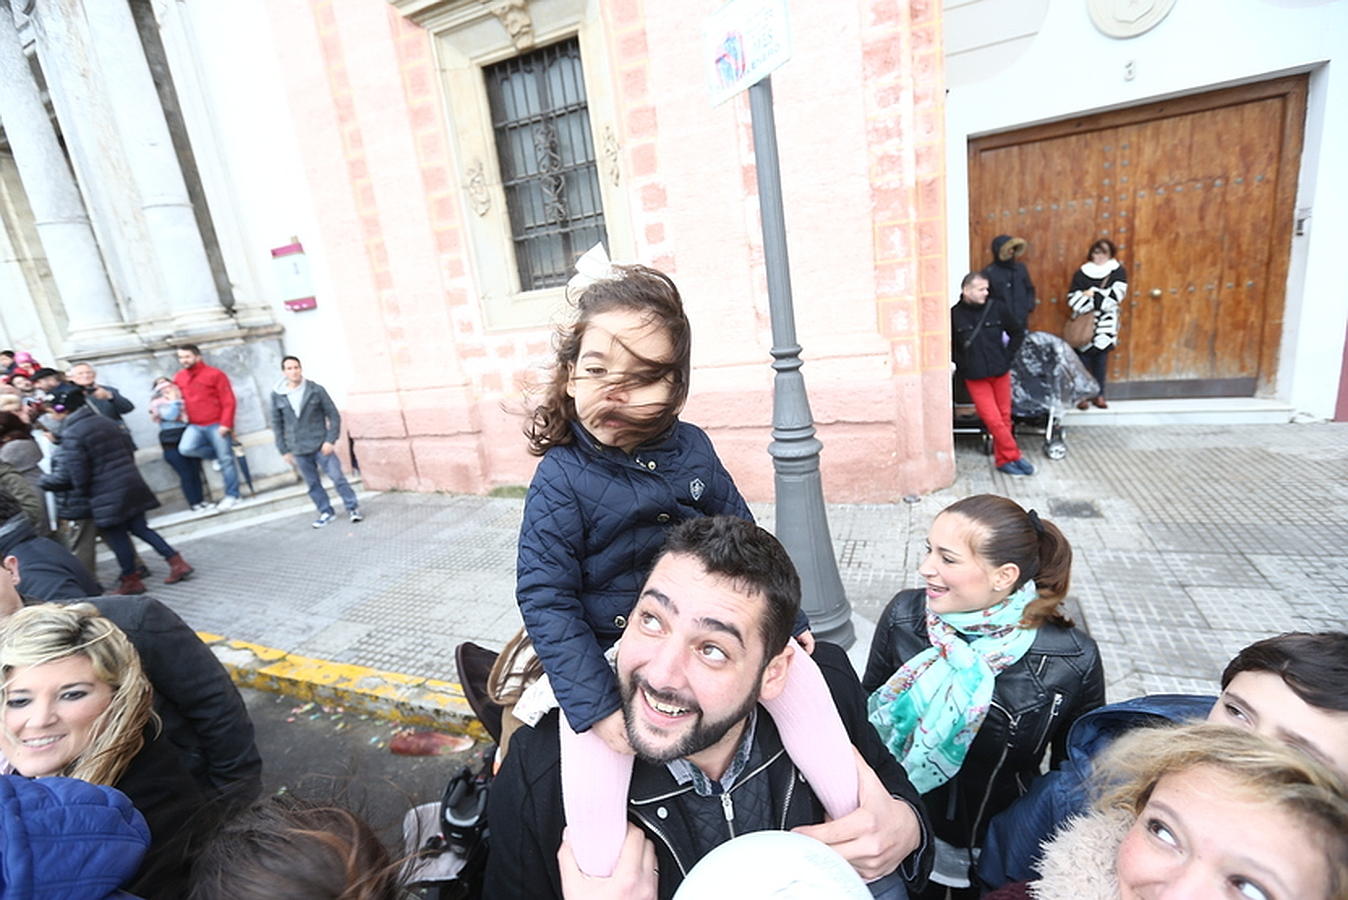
point(318, 420)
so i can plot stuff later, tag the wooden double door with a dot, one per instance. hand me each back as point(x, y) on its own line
point(1199, 195)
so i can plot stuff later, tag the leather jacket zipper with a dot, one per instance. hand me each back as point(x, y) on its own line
point(728, 807)
point(992, 779)
point(652, 828)
point(1042, 743)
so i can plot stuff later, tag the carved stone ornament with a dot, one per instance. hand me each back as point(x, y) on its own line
point(1128, 18)
point(514, 17)
point(479, 195)
point(611, 155)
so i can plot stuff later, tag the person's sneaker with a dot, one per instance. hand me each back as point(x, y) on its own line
point(215, 464)
point(229, 502)
point(356, 516)
point(1025, 467)
point(1011, 468)
point(324, 518)
point(198, 507)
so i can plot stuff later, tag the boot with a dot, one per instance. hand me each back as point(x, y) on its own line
point(178, 569)
point(130, 584)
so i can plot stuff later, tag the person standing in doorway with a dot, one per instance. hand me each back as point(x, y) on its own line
point(1099, 286)
point(210, 417)
point(1009, 279)
point(983, 359)
point(306, 424)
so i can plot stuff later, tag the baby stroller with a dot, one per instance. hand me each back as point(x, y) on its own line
point(1047, 379)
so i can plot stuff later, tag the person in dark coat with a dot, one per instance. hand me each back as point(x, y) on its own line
point(101, 464)
point(1009, 279)
point(982, 358)
point(107, 401)
point(199, 708)
point(975, 677)
point(707, 644)
point(53, 571)
point(104, 729)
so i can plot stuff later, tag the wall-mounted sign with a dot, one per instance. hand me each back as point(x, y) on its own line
point(291, 268)
point(745, 41)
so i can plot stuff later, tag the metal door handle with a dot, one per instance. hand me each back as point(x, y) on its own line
point(1156, 293)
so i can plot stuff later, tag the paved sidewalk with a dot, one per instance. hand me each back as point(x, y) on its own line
point(1191, 541)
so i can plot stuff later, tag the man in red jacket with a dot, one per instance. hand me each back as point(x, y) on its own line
point(209, 399)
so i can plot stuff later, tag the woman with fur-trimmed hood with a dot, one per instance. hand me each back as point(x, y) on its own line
point(1009, 279)
point(1201, 811)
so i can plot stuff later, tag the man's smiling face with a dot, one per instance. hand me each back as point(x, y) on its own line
point(691, 665)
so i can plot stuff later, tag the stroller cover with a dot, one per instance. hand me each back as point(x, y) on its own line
point(1047, 376)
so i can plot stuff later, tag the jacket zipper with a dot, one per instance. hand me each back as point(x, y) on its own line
point(1042, 743)
point(728, 807)
point(992, 779)
point(655, 830)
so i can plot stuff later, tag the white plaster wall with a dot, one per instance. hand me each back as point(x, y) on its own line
point(230, 76)
point(1201, 45)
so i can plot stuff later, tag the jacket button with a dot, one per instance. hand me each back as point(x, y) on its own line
point(662, 518)
point(620, 621)
point(651, 465)
point(661, 813)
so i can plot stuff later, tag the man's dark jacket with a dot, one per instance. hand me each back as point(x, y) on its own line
point(976, 344)
point(318, 421)
point(1015, 836)
point(47, 570)
point(111, 409)
point(202, 712)
point(525, 808)
point(100, 460)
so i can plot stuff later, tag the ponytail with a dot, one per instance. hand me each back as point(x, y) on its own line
point(1006, 533)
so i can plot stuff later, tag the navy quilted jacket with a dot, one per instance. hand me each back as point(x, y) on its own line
point(594, 518)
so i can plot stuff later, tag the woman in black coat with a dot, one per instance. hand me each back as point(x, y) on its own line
point(975, 676)
point(100, 463)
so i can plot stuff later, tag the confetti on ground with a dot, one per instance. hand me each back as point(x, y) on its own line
point(429, 743)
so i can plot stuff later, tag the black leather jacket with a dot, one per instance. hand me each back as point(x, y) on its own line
point(525, 803)
point(1034, 703)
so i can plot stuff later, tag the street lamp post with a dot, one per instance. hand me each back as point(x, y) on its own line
point(802, 522)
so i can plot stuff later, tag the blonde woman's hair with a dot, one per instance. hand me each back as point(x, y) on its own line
point(1266, 772)
point(47, 632)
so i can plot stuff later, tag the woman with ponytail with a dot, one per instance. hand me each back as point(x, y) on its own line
point(975, 676)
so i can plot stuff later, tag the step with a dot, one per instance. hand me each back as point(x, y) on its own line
point(180, 525)
point(1179, 411)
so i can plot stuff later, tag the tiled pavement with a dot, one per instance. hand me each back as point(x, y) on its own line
point(1191, 541)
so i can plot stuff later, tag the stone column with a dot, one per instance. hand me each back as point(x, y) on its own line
point(101, 35)
point(58, 210)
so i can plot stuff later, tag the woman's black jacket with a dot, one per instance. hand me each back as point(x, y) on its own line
point(1034, 703)
point(100, 462)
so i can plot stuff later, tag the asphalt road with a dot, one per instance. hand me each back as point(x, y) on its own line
point(331, 756)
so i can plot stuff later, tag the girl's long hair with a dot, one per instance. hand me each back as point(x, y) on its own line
point(639, 289)
point(48, 632)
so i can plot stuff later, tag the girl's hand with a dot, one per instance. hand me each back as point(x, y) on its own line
point(806, 641)
point(613, 730)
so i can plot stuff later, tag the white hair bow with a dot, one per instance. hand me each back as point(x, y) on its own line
point(592, 267)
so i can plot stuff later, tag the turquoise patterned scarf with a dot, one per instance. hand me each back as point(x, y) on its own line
point(928, 712)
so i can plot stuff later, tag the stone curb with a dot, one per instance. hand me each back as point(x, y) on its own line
point(406, 699)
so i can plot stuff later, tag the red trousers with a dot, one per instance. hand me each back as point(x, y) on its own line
point(992, 400)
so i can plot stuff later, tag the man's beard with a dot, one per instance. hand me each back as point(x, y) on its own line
point(697, 738)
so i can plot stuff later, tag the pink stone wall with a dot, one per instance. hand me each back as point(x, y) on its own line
point(859, 123)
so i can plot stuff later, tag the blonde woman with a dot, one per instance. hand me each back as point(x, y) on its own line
point(1201, 811)
point(77, 704)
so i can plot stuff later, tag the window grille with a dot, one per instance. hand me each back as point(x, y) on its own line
point(546, 151)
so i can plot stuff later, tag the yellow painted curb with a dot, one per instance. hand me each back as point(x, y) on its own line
point(409, 699)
